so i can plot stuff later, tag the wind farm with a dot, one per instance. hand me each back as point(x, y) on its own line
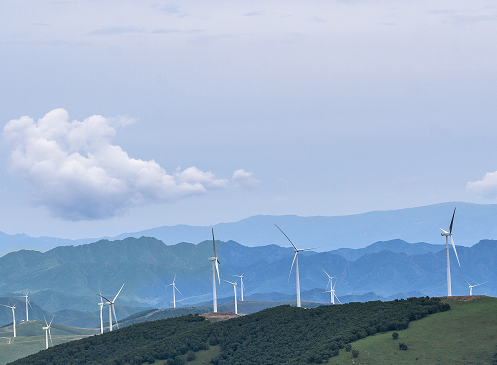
point(308, 262)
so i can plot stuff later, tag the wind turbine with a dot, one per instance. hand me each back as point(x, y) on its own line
point(241, 283)
point(27, 302)
point(110, 303)
point(447, 234)
point(332, 288)
point(101, 304)
point(234, 289)
point(174, 293)
point(13, 316)
point(296, 261)
point(47, 331)
point(472, 286)
point(215, 267)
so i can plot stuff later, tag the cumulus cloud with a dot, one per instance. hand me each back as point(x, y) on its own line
point(245, 180)
point(486, 187)
point(77, 173)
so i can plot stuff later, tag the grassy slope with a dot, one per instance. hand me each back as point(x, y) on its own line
point(31, 338)
point(467, 334)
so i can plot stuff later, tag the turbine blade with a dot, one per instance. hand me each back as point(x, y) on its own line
point(50, 335)
point(312, 248)
point(51, 320)
point(214, 243)
point(217, 270)
point(115, 318)
point(455, 251)
point(335, 284)
point(174, 286)
point(465, 280)
point(444, 231)
point(326, 273)
point(292, 266)
point(452, 221)
point(295, 247)
point(480, 284)
point(45, 320)
point(338, 299)
point(100, 293)
point(117, 293)
point(104, 298)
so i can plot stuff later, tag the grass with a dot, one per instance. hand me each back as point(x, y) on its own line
point(467, 334)
point(31, 338)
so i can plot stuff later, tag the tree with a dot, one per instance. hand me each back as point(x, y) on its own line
point(348, 347)
point(395, 335)
point(402, 346)
point(355, 353)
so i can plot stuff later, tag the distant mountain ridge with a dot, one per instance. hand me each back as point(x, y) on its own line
point(473, 222)
point(69, 277)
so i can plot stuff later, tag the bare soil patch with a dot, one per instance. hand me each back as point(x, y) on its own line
point(220, 316)
point(464, 298)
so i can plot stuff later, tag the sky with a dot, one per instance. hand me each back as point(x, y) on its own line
point(119, 116)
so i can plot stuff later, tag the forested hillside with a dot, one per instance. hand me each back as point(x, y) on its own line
point(278, 335)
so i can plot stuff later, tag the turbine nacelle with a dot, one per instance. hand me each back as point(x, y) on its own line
point(445, 233)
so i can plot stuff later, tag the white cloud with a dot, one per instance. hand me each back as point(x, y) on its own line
point(245, 180)
point(486, 187)
point(78, 174)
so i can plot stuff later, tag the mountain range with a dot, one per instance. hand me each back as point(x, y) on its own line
point(473, 222)
point(69, 277)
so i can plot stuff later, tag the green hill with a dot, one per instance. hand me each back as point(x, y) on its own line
point(277, 335)
point(467, 334)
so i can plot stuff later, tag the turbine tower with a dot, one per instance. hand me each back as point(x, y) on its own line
point(27, 302)
point(241, 283)
point(296, 261)
point(447, 234)
point(472, 286)
point(101, 304)
point(110, 303)
point(215, 268)
point(47, 331)
point(234, 289)
point(13, 316)
point(174, 288)
point(332, 288)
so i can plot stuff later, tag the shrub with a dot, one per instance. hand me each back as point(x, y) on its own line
point(355, 353)
point(191, 356)
point(395, 335)
point(348, 347)
point(402, 346)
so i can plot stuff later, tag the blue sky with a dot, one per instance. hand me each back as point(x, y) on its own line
point(119, 116)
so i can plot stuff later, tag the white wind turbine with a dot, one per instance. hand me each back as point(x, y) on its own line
point(332, 288)
point(234, 289)
point(472, 286)
point(13, 316)
point(215, 268)
point(47, 331)
point(447, 234)
point(110, 303)
point(174, 288)
point(296, 261)
point(241, 283)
